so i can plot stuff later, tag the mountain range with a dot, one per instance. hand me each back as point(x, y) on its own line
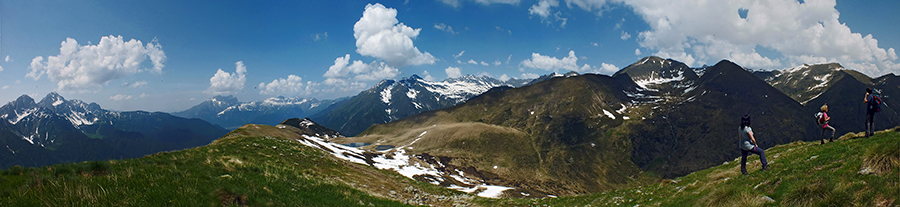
point(657, 118)
point(56, 130)
point(557, 135)
point(839, 88)
point(391, 100)
point(228, 112)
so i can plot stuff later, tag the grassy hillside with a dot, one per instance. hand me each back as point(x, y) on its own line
point(260, 165)
point(850, 172)
point(255, 165)
point(551, 137)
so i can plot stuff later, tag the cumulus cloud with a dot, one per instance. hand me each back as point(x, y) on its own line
point(292, 85)
point(85, 67)
point(379, 34)
point(357, 70)
point(7, 58)
point(224, 83)
point(606, 68)
point(1, 68)
point(428, 76)
point(539, 61)
point(453, 72)
point(707, 31)
point(473, 62)
point(504, 77)
point(637, 51)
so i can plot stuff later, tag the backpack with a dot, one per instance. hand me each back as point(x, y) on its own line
point(820, 118)
point(875, 103)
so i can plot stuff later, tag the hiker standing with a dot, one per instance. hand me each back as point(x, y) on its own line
point(748, 145)
point(873, 104)
point(822, 118)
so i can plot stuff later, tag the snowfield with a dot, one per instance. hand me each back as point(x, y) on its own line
point(399, 161)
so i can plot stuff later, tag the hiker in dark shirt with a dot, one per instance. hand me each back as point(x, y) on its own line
point(870, 112)
point(748, 145)
point(823, 122)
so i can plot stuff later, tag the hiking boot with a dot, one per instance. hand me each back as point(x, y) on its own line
point(821, 141)
point(764, 168)
point(831, 140)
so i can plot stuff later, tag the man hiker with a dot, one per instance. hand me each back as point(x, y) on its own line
point(748, 145)
point(822, 119)
point(873, 104)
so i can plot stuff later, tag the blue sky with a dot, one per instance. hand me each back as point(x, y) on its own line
point(170, 55)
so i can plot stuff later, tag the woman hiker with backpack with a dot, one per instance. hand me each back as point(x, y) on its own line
point(748, 145)
point(822, 118)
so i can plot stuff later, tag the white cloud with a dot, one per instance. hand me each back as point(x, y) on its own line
point(5, 87)
point(539, 61)
point(224, 83)
point(135, 84)
point(358, 70)
point(453, 72)
point(606, 68)
point(143, 95)
point(503, 30)
point(445, 28)
point(379, 34)
point(460, 54)
point(529, 76)
point(458, 3)
point(319, 36)
point(473, 62)
point(7, 58)
point(290, 86)
point(1, 68)
point(504, 77)
point(497, 62)
point(595, 44)
point(637, 51)
point(428, 76)
point(625, 36)
point(120, 97)
point(542, 8)
point(707, 31)
point(84, 67)
point(484, 63)
point(453, 3)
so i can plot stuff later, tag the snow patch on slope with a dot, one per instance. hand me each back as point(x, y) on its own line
point(21, 116)
point(386, 95)
point(399, 161)
point(655, 78)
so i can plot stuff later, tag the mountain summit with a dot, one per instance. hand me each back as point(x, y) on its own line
point(56, 130)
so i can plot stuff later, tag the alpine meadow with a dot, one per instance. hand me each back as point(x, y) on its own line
point(450, 103)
